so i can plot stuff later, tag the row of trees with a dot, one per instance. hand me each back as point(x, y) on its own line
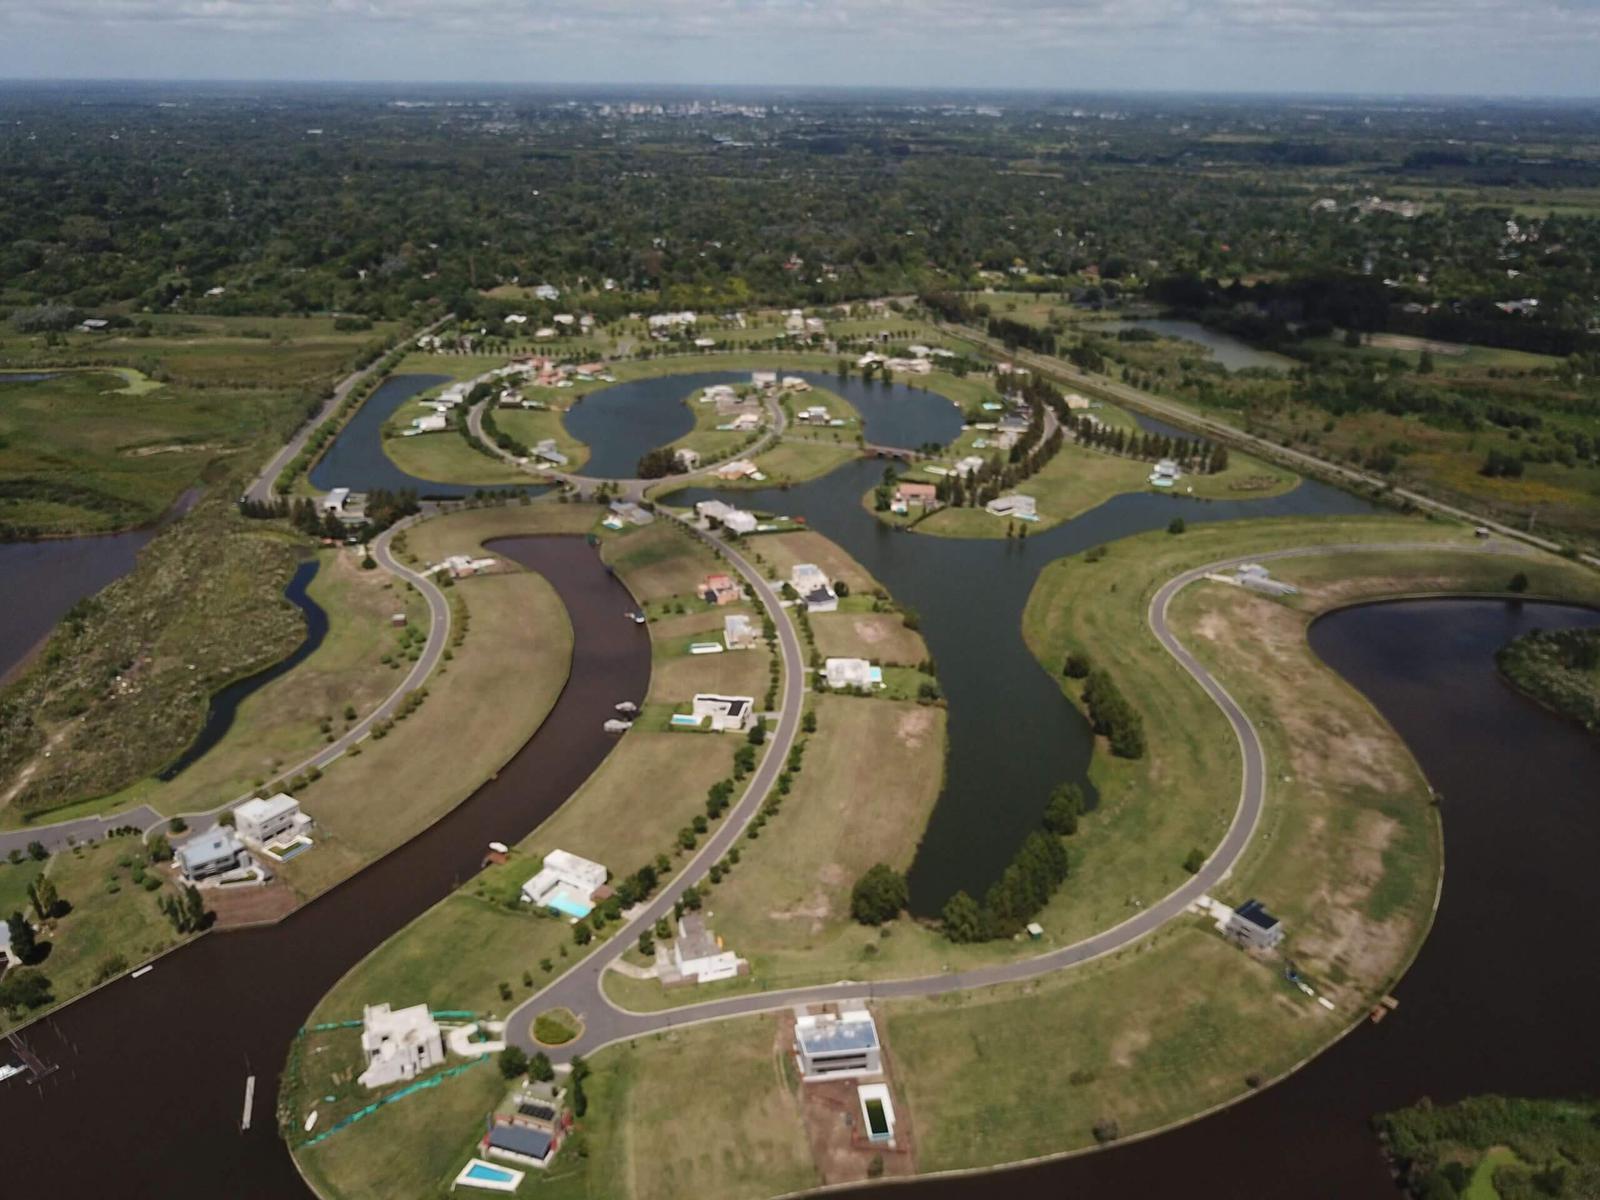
point(1024, 887)
point(1109, 711)
point(1193, 454)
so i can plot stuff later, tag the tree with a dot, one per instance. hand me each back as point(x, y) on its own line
point(1176, 525)
point(1077, 666)
point(757, 734)
point(539, 1068)
point(1194, 860)
point(879, 895)
point(23, 944)
point(43, 894)
point(513, 1062)
point(37, 852)
point(1066, 805)
point(1519, 582)
point(962, 919)
point(582, 933)
point(647, 942)
point(22, 991)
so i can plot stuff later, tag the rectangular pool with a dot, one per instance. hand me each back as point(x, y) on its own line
point(487, 1177)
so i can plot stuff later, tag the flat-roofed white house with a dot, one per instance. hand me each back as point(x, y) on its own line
point(566, 883)
point(698, 954)
point(686, 459)
point(739, 632)
point(848, 673)
point(735, 520)
point(217, 851)
point(725, 714)
point(277, 817)
point(1023, 508)
point(1252, 925)
point(812, 586)
point(842, 1045)
point(398, 1045)
point(1165, 474)
point(432, 423)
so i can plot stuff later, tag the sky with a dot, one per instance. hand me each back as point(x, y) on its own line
point(1453, 47)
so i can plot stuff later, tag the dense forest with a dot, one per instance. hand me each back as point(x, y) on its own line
point(373, 201)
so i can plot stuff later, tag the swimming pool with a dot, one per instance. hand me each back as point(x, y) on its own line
point(568, 905)
point(488, 1177)
point(685, 721)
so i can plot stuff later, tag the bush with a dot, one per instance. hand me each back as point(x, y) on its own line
point(879, 895)
point(1176, 525)
point(1106, 1129)
point(1194, 860)
point(1066, 805)
point(1076, 667)
point(513, 1062)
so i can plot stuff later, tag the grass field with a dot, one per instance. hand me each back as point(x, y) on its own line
point(531, 426)
point(114, 923)
point(879, 637)
point(520, 645)
point(466, 531)
point(658, 1132)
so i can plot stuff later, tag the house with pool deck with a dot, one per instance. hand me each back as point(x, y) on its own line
point(567, 883)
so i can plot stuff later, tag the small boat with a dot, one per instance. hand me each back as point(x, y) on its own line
point(311, 1121)
point(7, 1070)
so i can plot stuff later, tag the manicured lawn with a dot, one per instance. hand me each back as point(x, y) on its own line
point(1246, 478)
point(778, 553)
point(520, 644)
point(659, 1128)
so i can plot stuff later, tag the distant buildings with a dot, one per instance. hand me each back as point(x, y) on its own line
point(739, 468)
point(1022, 508)
point(398, 1045)
point(923, 495)
point(735, 520)
point(1165, 474)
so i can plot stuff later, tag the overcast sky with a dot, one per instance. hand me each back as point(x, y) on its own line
point(1472, 47)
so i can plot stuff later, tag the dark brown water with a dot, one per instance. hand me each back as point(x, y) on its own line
point(1502, 997)
point(157, 1066)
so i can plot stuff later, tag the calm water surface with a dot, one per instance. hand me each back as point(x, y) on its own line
point(1013, 735)
point(225, 704)
point(622, 422)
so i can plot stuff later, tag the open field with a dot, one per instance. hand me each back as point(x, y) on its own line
point(520, 644)
point(661, 562)
point(879, 637)
point(466, 531)
point(779, 552)
point(741, 1137)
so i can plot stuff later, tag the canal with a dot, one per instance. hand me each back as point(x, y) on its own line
point(159, 1063)
point(1501, 998)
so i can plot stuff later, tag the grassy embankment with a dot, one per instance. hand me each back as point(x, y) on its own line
point(110, 448)
point(480, 949)
point(1561, 670)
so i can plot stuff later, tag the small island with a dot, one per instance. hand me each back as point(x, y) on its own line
point(1560, 669)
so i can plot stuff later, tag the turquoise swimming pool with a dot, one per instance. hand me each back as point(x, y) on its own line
point(484, 1173)
point(567, 906)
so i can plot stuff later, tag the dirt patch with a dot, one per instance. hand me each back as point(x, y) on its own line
point(172, 448)
point(241, 906)
point(831, 1112)
point(1126, 1046)
point(1343, 934)
point(869, 632)
point(914, 726)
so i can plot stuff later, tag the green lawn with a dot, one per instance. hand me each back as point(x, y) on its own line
point(531, 426)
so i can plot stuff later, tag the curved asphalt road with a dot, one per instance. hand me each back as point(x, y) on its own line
point(604, 1023)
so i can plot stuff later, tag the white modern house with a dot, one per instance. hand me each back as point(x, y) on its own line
point(739, 632)
point(1252, 925)
point(398, 1045)
point(735, 520)
point(698, 954)
point(725, 714)
point(1023, 508)
point(432, 423)
point(686, 459)
point(812, 586)
point(849, 673)
point(566, 883)
point(837, 1045)
point(217, 851)
point(276, 818)
point(1165, 474)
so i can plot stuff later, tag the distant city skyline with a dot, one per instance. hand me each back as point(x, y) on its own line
point(1412, 47)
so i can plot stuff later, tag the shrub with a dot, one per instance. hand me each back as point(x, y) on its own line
point(879, 895)
point(513, 1062)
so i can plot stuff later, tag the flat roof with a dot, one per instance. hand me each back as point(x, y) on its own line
point(850, 1032)
point(520, 1139)
point(1255, 912)
point(215, 843)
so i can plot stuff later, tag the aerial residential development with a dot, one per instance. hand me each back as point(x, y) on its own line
point(705, 642)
